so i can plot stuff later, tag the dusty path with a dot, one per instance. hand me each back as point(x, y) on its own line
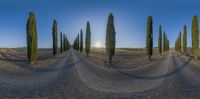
point(77, 77)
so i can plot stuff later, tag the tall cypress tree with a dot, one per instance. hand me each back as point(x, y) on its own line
point(61, 43)
point(185, 39)
point(78, 43)
point(166, 43)
point(160, 40)
point(67, 43)
point(195, 35)
point(64, 42)
point(164, 47)
point(88, 39)
point(149, 37)
point(81, 41)
point(180, 42)
point(55, 38)
point(110, 37)
point(31, 31)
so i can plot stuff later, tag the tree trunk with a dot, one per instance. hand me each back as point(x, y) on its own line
point(110, 60)
point(149, 57)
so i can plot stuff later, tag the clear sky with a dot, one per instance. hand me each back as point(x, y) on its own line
point(72, 15)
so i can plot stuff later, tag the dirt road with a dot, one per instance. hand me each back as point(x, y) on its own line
point(75, 76)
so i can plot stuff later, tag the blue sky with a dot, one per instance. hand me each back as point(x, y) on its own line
point(72, 15)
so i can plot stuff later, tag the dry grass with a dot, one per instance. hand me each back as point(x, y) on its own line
point(125, 58)
point(18, 58)
point(195, 63)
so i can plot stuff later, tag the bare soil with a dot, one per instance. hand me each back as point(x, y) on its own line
point(125, 58)
point(72, 75)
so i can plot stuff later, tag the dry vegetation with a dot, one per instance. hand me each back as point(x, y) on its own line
point(125, 58)
point(13, 59)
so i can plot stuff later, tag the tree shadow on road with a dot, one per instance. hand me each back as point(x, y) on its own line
point(58, 69)
point(23, 63)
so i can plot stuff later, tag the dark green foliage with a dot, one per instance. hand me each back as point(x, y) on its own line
point(167, 45)
point(81, 41)
point(149, 37)
point(195, 35)
point(164, 47)
point(31, 31)
point(176, 45)
point(185, 39)
point(110, 37)
point(61, 43)
point(66, 43)
point(180, 42)
point(160, 40)
point(88, 39)
point(55, 38)
point(165, 42)
point(78, 43)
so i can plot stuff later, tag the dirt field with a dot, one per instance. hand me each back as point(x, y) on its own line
point(13, 59)
point(125, 58)
point(72, 75)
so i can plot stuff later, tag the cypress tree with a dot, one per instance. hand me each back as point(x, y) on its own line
point(78, 43)
point(110, 37)
point(195, 35)
point(67, 43)
point(164, 47)
point(74, 44)
point(88, 39)
point(81, 41)
point(185, 40)
point(64, 42)
point(55, 38)
point(160, 40)
point(166, 43)
point(149, 37)
point(180, 42)
point(176, 44)
point(31, 31)
point(61, 43)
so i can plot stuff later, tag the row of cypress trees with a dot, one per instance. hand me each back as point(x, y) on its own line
point(64, 43)
point(32, 44)
point(78, 42)
point(181, 42)
point(163, 42)
point(178, 43)
point(110, 39)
